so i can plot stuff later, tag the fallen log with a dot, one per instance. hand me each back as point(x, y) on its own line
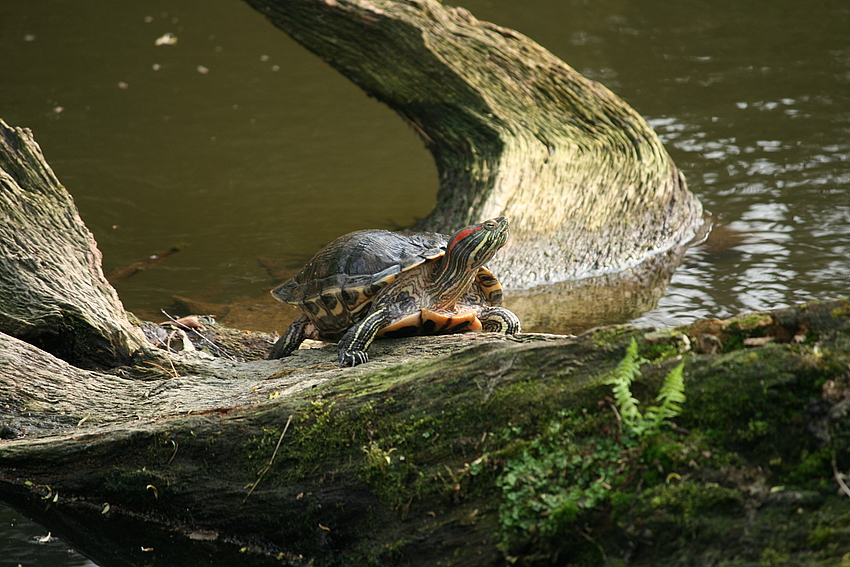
point(425, 456)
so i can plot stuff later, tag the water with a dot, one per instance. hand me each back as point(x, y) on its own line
point(234, 140)
point(25, 543)
point(752, 101)
point(238, 142)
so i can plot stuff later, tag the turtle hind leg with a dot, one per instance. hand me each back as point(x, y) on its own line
point(291, 339)
point(353, 345)
point(499, 320)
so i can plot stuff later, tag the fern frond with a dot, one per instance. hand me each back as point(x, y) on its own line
point(669, 398)
point(672, 392)
point(621, 379)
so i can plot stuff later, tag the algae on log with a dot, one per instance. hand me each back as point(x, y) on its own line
point(52, 290)
point(514, 131)
point(429, 462)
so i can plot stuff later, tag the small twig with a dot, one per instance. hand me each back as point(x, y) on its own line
point(843, 485)
point(171, 362)
point(266, 468)
point(619, 418)
point(173, 372)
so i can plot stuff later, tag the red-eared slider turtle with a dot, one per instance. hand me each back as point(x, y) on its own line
point(377, 283)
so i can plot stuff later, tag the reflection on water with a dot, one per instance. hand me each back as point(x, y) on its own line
point(785, 193)
point(571, 307)
point(267, 153)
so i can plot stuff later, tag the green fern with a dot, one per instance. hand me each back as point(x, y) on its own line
point(621, 379)
point(550, 483)
point(670, 397)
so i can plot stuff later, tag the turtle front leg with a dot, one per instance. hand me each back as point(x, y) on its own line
point(291, 339)
point(499, 320)
point(353, 345)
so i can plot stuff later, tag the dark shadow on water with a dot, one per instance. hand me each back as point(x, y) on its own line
point(113, 539)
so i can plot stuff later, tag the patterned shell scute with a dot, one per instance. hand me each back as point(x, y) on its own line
point(346, 274)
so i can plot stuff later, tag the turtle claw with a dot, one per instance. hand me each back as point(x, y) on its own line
point(352, 357)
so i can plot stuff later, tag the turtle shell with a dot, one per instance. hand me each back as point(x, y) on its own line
point(338, 283)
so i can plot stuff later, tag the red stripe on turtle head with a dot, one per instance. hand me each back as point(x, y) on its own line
point(462, 235)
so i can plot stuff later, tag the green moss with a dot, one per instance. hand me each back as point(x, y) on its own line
point(831, 534)
point(814, 464)
point(615, 334)
point(160, 451)
point(750, 322)
point(141, 486)
point(770, 557)
point(687, 500)
point(545, 456)
point(258, 449)
point(664, 344)
point(392, 476)
point(841, 312)
point(743, 397)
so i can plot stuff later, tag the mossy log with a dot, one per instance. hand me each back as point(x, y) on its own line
point(401, 462)
point(514, 131)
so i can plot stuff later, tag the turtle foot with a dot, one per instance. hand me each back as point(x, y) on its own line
point(500, 320)
point(352, 357)
point(279, 350)
point(291, 339)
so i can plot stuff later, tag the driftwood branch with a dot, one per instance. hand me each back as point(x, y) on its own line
point(514, 131)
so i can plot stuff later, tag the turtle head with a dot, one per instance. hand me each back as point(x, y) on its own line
point(475, 245)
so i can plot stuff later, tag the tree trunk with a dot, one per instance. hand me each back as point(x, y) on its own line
point(52, 290)
point(514, 131)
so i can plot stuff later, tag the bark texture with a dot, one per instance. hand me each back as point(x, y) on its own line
point(52, 290)
point(514, 131)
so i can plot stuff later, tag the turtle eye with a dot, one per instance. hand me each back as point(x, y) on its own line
point(490, 224)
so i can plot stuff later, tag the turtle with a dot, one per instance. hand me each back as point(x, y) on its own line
point(377, 283)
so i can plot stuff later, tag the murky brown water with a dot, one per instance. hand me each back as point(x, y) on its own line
point(238, 142)
point(234, 140)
